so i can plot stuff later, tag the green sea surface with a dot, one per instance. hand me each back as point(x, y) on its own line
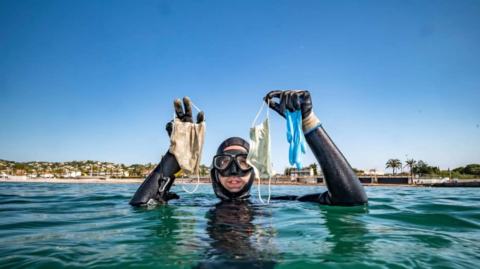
point(46, 225)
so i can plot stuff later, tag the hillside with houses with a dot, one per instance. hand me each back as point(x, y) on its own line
point(73, 169)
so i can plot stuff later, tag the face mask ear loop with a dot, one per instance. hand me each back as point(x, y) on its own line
point(253, 124)
point(174, 114)
point(268, 106)
point(192, 192)
point(269, 191)
point(198, 110)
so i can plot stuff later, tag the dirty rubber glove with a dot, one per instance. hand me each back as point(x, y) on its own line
point(181, 116)
point(294, 100)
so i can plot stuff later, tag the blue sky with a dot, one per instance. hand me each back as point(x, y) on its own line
point(97, 79)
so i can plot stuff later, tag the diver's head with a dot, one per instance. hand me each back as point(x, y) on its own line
point(232, 177)
point(233, 170)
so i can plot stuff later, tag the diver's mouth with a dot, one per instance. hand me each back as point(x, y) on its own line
point(234, 182)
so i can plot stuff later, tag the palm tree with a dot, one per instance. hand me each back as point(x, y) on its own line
point(410, 163)
point(314, 166)
point(394, 164)
point(203, 170)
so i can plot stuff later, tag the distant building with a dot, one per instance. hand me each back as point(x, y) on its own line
point(21, 173)
point(147, 173)
point(46, 175)
point(72, 174)
point(304, 172)
point(373, 172)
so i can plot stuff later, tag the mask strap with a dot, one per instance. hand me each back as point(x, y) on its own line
point(261, 108)
point(269, 191)
point(268, 106)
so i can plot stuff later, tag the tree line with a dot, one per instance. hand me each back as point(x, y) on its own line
point(422, 168)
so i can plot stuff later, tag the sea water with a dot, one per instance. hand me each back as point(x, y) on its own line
point(49, 225)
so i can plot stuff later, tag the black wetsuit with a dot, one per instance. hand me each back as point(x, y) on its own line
point(344, 187)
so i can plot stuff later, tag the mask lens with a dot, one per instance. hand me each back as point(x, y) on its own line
point(222, 162)
point(242, 161)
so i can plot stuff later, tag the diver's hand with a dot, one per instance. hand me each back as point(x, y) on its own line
point(293, 101)
point(162, 199)
point(168, 196)
point(184, 117)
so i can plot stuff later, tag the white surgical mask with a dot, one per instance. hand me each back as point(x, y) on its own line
point(259, 153)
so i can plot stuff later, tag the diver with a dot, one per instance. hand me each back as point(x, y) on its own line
point(232, 177)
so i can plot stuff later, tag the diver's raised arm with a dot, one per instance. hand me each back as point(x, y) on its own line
point(344, 187)
point(156, 187)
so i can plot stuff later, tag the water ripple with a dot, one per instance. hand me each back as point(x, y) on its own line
point(92, 226)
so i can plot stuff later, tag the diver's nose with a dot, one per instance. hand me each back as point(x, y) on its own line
point(233, 169)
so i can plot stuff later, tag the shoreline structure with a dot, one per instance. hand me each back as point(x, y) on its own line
point(470, 183)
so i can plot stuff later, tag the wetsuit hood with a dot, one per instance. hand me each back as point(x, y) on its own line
point(218, 188)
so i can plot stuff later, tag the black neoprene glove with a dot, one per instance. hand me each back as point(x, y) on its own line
point(291, 100)
point(184, 116)
point(294, 100)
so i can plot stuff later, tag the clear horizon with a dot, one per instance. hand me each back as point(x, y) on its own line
point(85, 80)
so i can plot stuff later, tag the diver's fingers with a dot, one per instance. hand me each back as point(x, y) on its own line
point(305, 95)
point(295, 98)
point(188, 110)
point(289, 100)
point(275, 106)
point(306, 103)
point(274, 94)
point(200, 117)
point(178, 108)
point(171, 195)
point(306, 99)
point(188, 107)
point(283, 103)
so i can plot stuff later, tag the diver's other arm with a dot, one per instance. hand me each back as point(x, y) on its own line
point(344, 187)
point(156, 187)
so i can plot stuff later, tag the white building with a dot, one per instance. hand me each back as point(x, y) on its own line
point(430, 181)
point(72, 174)
point(373, 172)
point(305, 172)
point(46, 175)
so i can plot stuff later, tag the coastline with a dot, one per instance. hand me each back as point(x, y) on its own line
point(139, 181)
point(90, 180)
